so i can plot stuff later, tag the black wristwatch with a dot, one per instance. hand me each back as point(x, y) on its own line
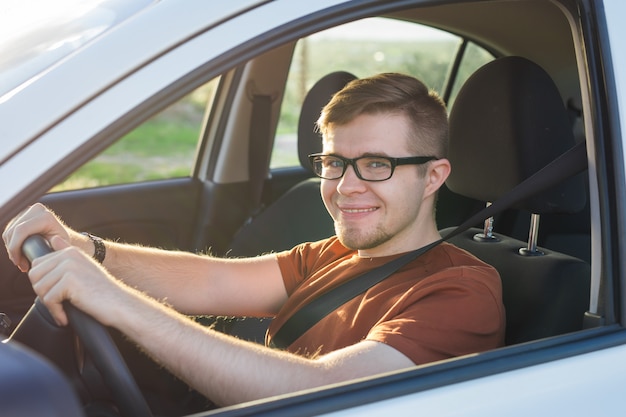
point(100, 251)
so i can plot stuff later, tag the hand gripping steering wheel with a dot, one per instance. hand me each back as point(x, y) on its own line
point(98, 342)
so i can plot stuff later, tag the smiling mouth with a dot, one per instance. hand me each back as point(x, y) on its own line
point(364, 210)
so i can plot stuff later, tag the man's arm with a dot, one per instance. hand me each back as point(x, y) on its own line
point(225, 369)
point(200, 284)
point(230, 371)
point(193, 284)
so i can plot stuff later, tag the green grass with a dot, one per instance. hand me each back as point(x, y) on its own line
point(159, 148)
point(157, 138)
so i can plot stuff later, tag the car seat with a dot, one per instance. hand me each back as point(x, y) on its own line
point(507, 122)
point(298, 215)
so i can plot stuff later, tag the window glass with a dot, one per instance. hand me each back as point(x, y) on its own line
point(473, 58)
point(162, 147)
point(363, 48)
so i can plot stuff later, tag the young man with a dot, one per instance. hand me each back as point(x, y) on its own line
point(383, 160)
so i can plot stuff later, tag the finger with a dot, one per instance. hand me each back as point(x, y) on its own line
point(8, 229)
point(58, 243)
point(37, 219)
point(8, 237)
point(46, 270)
point(12, 238)
point(46, 277)
point(55, 307)
point(65, 275)
point(43, 274)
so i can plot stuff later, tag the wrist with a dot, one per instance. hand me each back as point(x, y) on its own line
point(99, 249)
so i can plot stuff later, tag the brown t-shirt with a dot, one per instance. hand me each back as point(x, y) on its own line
point(445, 303)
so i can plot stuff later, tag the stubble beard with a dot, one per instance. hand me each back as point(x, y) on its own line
point(357, 239)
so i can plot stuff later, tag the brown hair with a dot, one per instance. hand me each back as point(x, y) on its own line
point(393, 93)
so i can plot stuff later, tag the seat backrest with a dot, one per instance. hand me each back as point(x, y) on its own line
point(509, 121)
point(299, 214)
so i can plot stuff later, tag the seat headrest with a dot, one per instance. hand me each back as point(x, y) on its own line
point(309, 140)
point(509, 121)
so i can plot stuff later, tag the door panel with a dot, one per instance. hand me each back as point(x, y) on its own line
point(159, 213)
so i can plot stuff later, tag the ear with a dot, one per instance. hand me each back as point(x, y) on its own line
point(436, 175)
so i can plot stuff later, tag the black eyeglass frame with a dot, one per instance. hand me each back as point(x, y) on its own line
point(394, 162)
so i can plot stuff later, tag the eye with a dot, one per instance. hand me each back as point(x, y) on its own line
point(333, 163)
point(377, 163)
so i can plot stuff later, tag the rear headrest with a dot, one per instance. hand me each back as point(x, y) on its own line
point(309, 140)
point(508, 121)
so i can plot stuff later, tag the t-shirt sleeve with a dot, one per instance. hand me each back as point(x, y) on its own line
point(292, 266)
point(452, 313)
point(298, 263)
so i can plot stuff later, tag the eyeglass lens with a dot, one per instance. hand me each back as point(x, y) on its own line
point(371, 168)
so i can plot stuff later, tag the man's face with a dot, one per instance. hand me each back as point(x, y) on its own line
point(377, 218)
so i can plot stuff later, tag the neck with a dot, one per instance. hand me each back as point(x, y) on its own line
point(414, 239)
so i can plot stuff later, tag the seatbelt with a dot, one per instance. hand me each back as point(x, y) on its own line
point(258, 149)
point(570, 163)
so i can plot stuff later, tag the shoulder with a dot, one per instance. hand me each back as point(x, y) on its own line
point(449, 265)
point(302, 260)
point(447, 252)
point(448, 257)
point(324, 250)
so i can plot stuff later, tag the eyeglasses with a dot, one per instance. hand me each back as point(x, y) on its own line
point(367, 168)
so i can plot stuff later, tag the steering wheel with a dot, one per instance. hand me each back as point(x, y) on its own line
point(98, 342)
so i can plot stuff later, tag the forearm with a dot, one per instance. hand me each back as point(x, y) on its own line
point(230, 371)
point(225, 369)
point(165, 275)
point(196, 284)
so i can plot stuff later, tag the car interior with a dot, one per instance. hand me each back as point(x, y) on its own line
point(235, 203)
point(545, 292)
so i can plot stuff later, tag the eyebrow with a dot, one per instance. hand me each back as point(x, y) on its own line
point(362, 155)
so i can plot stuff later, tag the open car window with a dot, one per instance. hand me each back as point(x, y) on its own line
point(163, 147)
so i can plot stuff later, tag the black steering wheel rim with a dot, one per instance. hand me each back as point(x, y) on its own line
point(100, 345)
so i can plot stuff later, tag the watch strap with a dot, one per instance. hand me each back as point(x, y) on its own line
point(100, 250)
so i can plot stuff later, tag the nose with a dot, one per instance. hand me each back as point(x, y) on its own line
point(350, 182)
